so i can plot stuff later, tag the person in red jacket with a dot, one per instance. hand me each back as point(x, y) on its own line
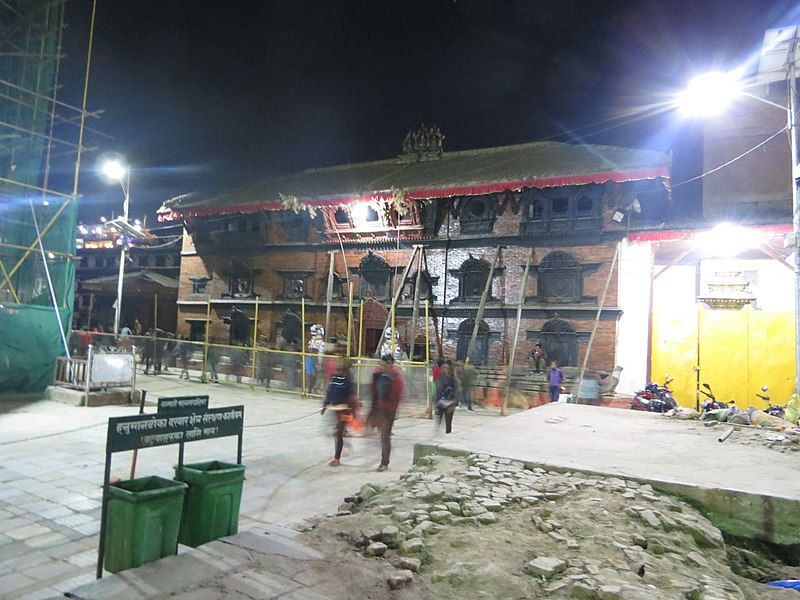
point(387, 391)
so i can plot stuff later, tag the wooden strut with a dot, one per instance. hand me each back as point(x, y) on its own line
point(329, 296)
point(486, 292)
point(523, 288)
point(395, 298)
point(434, 319)
point(415, 309)
point(597, 317)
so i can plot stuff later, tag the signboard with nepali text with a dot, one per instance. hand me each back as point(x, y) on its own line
point(182, 404)
point(147, 431)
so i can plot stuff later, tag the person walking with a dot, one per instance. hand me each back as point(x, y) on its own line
point(149, 352)
point(446, 401)
point(468, 378)
point(555, 377)
point(213, 360)
point(310, 368)
point(387, 391)
point(185, 354)
point(340, 396)
point(239, 360)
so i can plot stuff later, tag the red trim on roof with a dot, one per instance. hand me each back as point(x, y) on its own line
point(678, 235)
point(426, 194)
point(489, 188)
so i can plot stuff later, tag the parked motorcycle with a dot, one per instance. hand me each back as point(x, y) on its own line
point(712, 403)
point(775, 410)
point(654, 397)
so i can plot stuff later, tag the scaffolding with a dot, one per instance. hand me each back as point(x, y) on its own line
point(38, 212)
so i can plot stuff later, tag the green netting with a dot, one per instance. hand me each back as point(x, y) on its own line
point(29, 328)
point(36, 280)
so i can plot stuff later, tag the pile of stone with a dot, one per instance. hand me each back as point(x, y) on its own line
point(488, 527)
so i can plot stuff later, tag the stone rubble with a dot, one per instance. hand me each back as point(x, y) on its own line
point(484, 527)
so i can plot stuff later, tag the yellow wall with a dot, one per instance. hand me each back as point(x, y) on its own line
point(739, 351)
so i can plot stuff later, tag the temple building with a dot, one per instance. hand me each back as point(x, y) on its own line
point(481, 252)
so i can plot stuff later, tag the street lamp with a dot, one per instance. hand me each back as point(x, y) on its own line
point(714, 91)
point(116, 171)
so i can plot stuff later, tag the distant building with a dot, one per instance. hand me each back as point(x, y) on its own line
point(426, 226)
point(150, 282)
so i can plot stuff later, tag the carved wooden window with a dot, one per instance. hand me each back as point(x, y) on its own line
point(297, 226)
point(472, 276)
point(562, 211)
point(199, 284)
point(342, 216)
point(477, 214)
point(371, 215)
point(294, 284)
point(241, 285)
point(560, 278)
point(240, 281)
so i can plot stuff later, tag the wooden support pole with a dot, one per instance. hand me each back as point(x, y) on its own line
point(504, 409)
point(597, 316)
point(329, 296)
point(395, 298)
point(415, 309)
point(487, 289)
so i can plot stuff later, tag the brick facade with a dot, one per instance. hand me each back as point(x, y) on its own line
point(268, 262)
point(261, 255)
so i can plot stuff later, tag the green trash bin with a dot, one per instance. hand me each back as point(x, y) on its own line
point(211, 509)
point(143, 521)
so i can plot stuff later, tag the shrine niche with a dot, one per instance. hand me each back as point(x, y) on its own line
point(241, 277)
point(479, 354)
point(560, 342)
point(291, 325)
point(560, 280)
point(240, 326)
point(472, 277)
point(371, 320)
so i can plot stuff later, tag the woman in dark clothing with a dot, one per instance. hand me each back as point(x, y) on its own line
point(340, 397)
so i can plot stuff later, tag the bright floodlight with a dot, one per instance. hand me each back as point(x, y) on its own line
point(727, 240)
point(113, 169)
point(709, 94)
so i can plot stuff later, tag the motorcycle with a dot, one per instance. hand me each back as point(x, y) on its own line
point(712, 403)
point(654, 397)
point(775, 410)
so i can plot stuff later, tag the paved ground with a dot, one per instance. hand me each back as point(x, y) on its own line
point(52, 470)
point(51, 478)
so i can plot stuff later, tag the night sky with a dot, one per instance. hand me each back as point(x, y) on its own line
point(201, 93)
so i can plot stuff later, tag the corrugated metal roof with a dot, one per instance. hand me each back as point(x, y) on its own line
point(157, 278)
point(538, 164)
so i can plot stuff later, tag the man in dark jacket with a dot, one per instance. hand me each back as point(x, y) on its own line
point(387, 391)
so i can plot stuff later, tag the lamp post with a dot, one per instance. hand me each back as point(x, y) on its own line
point(711, 92)
point(116, 171)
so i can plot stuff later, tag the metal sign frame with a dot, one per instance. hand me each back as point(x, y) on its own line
point(179, 419)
